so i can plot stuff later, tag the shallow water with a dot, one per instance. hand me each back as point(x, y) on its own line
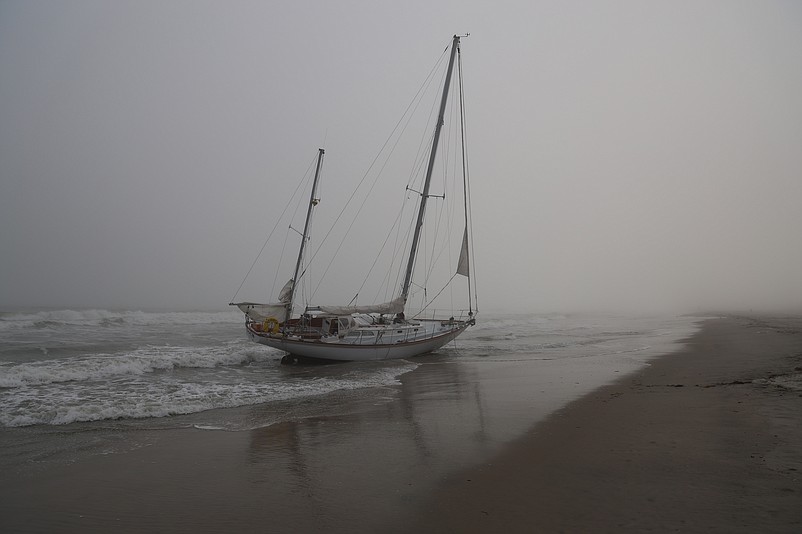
point(65, 366)
point(69, 371)
point(97, 404)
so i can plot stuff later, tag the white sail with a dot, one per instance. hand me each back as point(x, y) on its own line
point(260, 312)
point(462, 265)
point(286, 292)
point(277, 310)
point(394, 306)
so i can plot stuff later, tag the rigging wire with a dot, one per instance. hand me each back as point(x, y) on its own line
point(447, 284)
point(416, 172)
point(430, 253)
point(280, 217)
point(446, 206)
point(441, 245)
point(404, 246)
point(280, 259)
point(467, 188)
point(458, 107)
point(386, 239)
point(425, 145)
point(413, 105)
point(298, 203)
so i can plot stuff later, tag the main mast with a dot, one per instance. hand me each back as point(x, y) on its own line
point(430, 168)
point(313, 201)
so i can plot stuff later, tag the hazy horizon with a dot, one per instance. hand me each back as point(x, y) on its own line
point(625, 156)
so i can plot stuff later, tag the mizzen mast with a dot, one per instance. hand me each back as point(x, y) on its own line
point(313, 201)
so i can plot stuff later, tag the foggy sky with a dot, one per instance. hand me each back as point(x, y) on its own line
point(625, 155)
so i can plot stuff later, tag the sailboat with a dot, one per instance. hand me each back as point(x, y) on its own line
point(366, 332)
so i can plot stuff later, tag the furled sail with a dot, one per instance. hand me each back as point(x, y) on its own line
point(276, 310)
point(462, 265)
point(286, 291)
point(260, 312)
point(394, 306)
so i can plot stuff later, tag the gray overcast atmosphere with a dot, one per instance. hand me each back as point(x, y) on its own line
point(625, 155)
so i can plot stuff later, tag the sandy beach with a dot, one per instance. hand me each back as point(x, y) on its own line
point(703, 439)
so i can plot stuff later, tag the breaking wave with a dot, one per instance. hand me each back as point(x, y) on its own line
point(137, 362)
point(112, 319)
point(60, 404)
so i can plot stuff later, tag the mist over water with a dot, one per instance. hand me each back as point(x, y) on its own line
point(623, 155)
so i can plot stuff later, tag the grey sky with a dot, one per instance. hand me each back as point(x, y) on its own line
point(624, 154)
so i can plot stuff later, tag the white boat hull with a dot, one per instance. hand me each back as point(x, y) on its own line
point(343, 350)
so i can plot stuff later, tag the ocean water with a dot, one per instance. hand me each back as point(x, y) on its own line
point(74, 380)
point(62, 367)
point(66, 366)
point(96, 405)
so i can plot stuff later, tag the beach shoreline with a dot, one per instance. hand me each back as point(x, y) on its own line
point(704, 439)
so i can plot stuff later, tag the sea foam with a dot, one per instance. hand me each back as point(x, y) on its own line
point(112, 319)
point(135, 398)
point(137, 362)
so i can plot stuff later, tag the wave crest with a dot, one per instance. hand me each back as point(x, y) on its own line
point(112, 319)
point(67, 403)
point(138, 362)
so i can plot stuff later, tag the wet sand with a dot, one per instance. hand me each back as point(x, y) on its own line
point(701, 440)
point(704, 440)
